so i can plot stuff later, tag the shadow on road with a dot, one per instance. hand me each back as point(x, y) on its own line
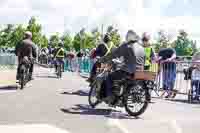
point(81, 109)
point(55, 77)
point(10, 87)
point(78, 93)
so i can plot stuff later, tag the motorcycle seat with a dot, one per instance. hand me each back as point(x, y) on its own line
point(143, 75)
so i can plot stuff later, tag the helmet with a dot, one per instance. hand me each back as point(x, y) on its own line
point(145, 36)
point(60, 44)
point(28, 34)
point(131, 36)
point(107, 38)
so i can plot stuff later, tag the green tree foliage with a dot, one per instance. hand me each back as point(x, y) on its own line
point(184, 46)
point(36, 30)
point(77, 42)
point(115, 36)
point(6, 36)
point(96, 35)
point(54, 40)
point(67, 40)
point(89, 41)
point(162, 41)
point(116, 39)
point(44, 41)
point(17, 34)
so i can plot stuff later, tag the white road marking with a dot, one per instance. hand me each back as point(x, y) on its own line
point(35, 128)
point(176, 126)
point(7, 91)
point(115, 122)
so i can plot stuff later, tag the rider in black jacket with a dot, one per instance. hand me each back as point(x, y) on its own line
point(26, 48)
point(132, 56)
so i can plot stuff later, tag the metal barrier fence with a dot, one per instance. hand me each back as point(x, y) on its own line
point(7, 61)
point(179, 77)
point(171, 77)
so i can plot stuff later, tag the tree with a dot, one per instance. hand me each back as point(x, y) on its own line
point(96, 35)
point(163, 41)
point(89, 41)
point(17, 34)
point(183, 45)
point(67, 40)
point(54, 40)
point(115, 36)
point(36, 30)
point(6, 35)
point(77, 42)
point(44, 41)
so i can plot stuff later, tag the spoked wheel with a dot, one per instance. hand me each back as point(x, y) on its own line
point(136, 100)
point(92, 98)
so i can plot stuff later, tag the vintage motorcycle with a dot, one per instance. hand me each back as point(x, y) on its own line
point(132, 93)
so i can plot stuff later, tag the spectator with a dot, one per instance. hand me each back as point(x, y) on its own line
point(196, 81)
point(166, 59)
point(149, 52)
point(80, 55)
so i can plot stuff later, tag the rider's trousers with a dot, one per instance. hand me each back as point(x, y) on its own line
point(116, 75)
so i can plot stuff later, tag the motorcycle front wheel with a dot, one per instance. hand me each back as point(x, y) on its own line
point(92, 97)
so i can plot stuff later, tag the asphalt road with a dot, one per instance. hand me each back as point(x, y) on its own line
point(54, 105)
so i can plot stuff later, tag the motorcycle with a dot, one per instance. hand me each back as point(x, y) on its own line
point(128, 93)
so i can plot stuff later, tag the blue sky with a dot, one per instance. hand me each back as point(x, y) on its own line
point(140, 15)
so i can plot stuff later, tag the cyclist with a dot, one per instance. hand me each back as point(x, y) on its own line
point(59, 55)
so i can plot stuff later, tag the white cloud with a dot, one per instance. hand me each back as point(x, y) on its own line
point(58, 15)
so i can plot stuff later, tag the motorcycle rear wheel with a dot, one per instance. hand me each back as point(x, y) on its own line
point(136, 97)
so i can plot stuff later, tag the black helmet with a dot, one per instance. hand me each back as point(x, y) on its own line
point(60, 44)
point(107, 38)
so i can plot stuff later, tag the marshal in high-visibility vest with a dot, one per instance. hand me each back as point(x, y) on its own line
point(60, 53)
point(148, 56)
point(109, 47)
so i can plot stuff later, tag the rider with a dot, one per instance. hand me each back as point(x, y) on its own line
point(149, 53)
point(26, 48)
point(132, 55)
point(103, 49)
point(59, 55)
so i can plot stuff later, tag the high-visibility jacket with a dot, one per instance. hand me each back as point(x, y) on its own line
point(109, 47)
point(60, 53)
point(148, 53)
